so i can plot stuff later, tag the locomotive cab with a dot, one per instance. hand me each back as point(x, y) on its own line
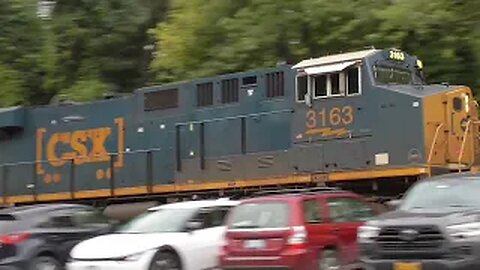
point(350, 107)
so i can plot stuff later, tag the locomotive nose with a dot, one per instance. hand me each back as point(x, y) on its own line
point(452, 128)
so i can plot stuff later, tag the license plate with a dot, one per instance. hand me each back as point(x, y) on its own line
point(407, 266)
point(254, 244)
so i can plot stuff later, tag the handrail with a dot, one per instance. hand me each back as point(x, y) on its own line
point(462, 147)
point(432, 146)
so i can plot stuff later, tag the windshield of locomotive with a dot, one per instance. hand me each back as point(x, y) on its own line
point(398, 71)
point(385, 74)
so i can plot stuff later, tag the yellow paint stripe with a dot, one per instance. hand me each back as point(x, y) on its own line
point(358, 175)
point(231, 184)
point(293, 179)
point(54, 196)
point(20, 199)
point(131, 191)
point(88, 194)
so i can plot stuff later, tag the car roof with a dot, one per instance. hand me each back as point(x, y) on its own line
point(196, 204)
point(456, 176)
point(37, 209)
point(299, 196)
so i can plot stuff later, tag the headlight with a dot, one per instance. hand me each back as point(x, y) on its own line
point(367, 233)
point(464, 230)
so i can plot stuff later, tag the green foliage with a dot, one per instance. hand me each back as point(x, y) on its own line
point(200, 40)
point(11, 90)
point(21, 50)
point(87, 47)
point(86, 89)
point(106, 37)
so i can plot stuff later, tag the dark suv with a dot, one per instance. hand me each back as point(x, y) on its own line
point(436, 226)
point(40, 237)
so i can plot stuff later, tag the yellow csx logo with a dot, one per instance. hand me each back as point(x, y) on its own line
point(81, 146)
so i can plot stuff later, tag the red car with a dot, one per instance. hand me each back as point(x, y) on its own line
point(296, 229)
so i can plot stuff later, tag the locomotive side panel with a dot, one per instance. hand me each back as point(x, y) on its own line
point(242, 132)
point(65, 148)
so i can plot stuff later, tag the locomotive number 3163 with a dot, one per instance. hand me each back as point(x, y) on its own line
point(333, 117)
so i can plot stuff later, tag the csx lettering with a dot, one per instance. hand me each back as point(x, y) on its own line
point(334, 117)
point(78, 142)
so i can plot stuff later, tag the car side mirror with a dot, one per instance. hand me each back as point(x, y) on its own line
point(193, 225)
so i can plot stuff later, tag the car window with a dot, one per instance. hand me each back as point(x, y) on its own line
point(210, 217)
point(59, 220)
point(442, 196)
point(89, 218)
point(9, 224)
point(349, 210)
point(219, 215)
point(260, 215)
point(312, 211)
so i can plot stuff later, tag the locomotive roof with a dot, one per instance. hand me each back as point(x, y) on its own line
point(336, 58)
point(421, 90)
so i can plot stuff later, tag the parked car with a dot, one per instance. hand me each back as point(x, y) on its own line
point(39, 237)
point(435, 226)
point(183, 236)
point(296, 229)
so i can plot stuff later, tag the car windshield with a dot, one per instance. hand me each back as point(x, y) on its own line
point(163, 220)
point(260, 215)
point(442, 196)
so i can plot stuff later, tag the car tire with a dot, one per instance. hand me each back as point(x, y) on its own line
point(328, 260)
point(44, 263)
point(165, 260)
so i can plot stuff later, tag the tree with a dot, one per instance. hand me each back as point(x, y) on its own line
point(21, 51)
point(187, 41)
point(103, 43)
point(12, 89)
point(203, 39)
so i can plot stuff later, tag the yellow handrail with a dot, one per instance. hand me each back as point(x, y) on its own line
point(432, 146)
point(462, 147)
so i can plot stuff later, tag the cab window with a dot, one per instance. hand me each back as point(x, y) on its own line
point(302, 87)
point(320, 85)
point(457, 104)
point(353, 81)
point(392, 75)
point(324, 85)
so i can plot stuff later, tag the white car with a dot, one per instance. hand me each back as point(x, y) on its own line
point(183, 236)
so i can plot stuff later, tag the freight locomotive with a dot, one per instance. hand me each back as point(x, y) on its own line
point(364, 120)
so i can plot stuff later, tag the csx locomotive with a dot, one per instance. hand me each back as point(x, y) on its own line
point(364, 120)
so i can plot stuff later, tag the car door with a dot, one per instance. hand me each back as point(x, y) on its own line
point(347, 214)
point(59, 232)
point(67, 227)
point(205, 243)
point(320, 232)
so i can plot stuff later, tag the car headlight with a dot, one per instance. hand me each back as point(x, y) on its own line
point(465, 230)
point(367, 233)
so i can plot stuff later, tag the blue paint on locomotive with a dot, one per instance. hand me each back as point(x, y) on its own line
point(164, 136)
